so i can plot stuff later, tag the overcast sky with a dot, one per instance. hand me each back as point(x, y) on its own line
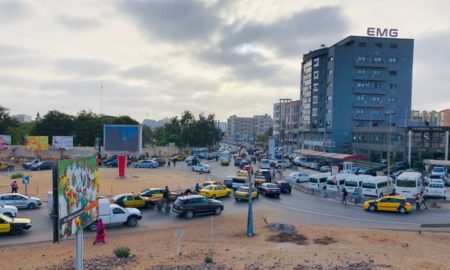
point(156, 59)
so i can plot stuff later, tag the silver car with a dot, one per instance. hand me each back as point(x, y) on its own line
point(8, 210)
point(20, 201)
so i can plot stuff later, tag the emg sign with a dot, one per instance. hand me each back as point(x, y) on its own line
point(382, 32)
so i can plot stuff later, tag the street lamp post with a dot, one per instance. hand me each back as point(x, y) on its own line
point(250, 208)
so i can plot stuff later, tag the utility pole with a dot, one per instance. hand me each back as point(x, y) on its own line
point(250, 207)
point(389, 145)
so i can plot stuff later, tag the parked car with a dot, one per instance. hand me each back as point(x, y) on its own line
point(190, 205)
point(325, 168)
point(27, 165)
point(298, 177)
point(389, 204)
point(6, 166)
point(284, 187)
point(111, 213)
point(8, 210)
point(20, 201)
point(201, 168)
point(110, 159)
point(269, 189)
point(237, 161)
point(41, 166)
point(191, 159)
point(215, 191)
point(146, 164)
point(114, 164)
point(160, 161)
point(435, 189)
point(242, 193)
point(15, 226)
point(283, 164)
point(179, 158)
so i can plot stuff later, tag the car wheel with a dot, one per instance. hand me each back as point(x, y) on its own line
point(132, 222)
point(402, 210)
point(8, 214)
point(218, 211)
point(372, 208)
point(93, 227)
point(189, 214)
point(31, 206)
point(17, 231)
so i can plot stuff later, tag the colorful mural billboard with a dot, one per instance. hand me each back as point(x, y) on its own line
point(78, 187)
point(37, 143)
point(5, 142)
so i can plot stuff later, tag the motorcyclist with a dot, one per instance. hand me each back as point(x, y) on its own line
point(197, 187)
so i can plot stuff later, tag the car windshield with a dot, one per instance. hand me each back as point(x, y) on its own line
point(271, 186)
point(368, 185)
point(432, 185)
point(406, 183)
point(209, 187)
point(313, 180)
point(438, 169)
point(351, 183)
point(243, 189)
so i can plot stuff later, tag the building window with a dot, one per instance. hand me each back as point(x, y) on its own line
point(377, 59)
point(376, 99)
point(377, 112)
point(330, 71)
point(329, 84)
point(362, 84)
point(330, 58)
point(316, 74)
point(377, 72)
point(314, 112)
point(393, 73)
point(314, 100)
point(378, 85)
point(379, 45)
point(329, 111)
point(361, 71)
point(362, 44)
point(361, 59)
point(360, 98)
point(315, 87)
point(359, 111)
point(393, 86)
point(394, 46)
point(316, 62)
point(392, 99)
point(392, 59)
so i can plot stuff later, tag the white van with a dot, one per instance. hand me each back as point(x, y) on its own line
point(355, 182)
point(336, 182)
point(265, 164)
point(377, 186)
point(318, 180)
point(408, 184)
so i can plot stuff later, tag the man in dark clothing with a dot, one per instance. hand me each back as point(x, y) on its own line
point(166, 193)
point(344, 196)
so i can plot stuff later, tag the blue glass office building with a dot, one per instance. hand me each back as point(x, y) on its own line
point(358, 82)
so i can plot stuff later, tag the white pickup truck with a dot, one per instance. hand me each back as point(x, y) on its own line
point(110, 213)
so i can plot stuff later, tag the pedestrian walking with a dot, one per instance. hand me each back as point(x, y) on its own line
point(168, 163)
point(274, 174)
point(14, 186)
point(417, 200)
point(355, 196)
point(100, 233)
point(175, 161)
point(422, 200)
point(344, 196)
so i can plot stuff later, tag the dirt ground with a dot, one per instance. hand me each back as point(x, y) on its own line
point(136, 180)
point(233, 249)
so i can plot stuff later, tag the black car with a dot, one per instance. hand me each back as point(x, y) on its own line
point(284, 186)
point(269, 189)
point(398, 166)
point(46, 165)
point(228, 182)
point(161, 161)
point(373, 171)
point(237, 161)
point(106, 161)
point(190, 205)
point(266, 173)
point(114, 163)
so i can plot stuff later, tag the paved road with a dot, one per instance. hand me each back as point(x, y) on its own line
point(297, 208)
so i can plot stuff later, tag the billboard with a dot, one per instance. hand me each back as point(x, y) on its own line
point(62, 142)
point(77, 187)
point(122, 138)
point(5, 142)
point(37, 143)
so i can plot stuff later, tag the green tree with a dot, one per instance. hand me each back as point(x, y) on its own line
point(54, 123)
point(147, 135)
point(6, 121)
point(87, 127)
point(20, 132)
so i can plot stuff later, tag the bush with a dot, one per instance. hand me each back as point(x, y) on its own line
point(208, 259)
point(122, 252)
point(16, 175)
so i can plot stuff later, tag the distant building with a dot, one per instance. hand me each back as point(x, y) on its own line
point(292, 123)
point(23, 118)
point(425, 118)
point(247, 128)
point(279, 118)
point(360, 81)
point(444, 118)
point(155, 123)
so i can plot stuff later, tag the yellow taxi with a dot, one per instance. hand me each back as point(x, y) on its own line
point(243, 173)
point(152, 192)
point(14, 225)
point(211, 182)
point(215, 191)
point(5, 166)
point(389, 204)
point(242, 193)
point(131, 200)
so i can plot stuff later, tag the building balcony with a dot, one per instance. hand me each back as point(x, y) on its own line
point(368, 117)
point(368, 104)
point(370, 64)
point(369, 77)
point(369, 90)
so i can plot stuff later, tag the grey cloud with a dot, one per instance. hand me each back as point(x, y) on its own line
point(287, 35)
point(77, 23)
point(172, 20)
point(12, 10)
point(142, 72)
point(85, 67)
point(20, 57)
